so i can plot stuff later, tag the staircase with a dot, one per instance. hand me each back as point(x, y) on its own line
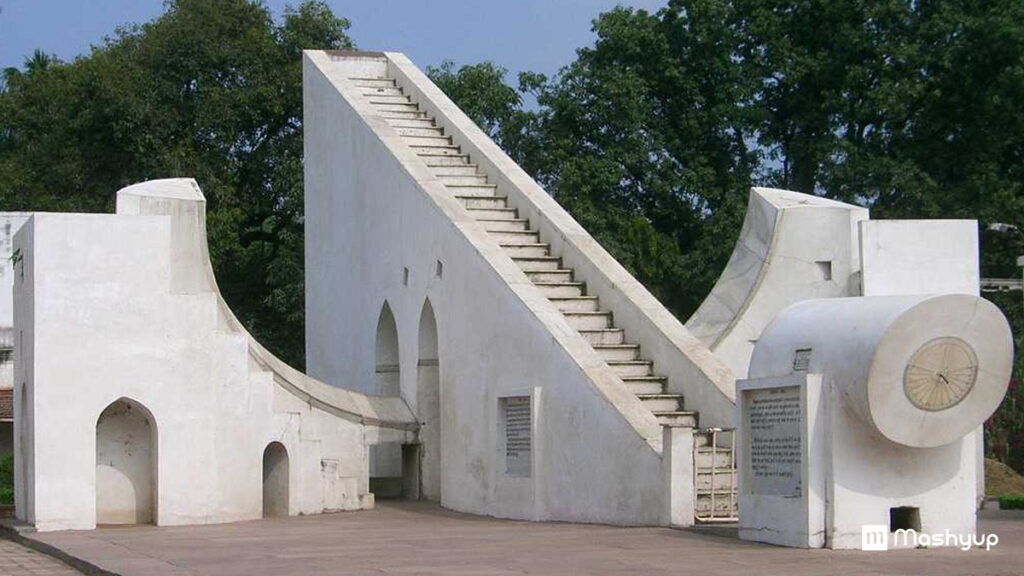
point(716, 498)
point(491, 209)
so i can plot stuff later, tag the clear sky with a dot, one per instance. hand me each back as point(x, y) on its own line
point(536, 35)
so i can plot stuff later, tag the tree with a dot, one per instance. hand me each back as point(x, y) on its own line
point(212, 89)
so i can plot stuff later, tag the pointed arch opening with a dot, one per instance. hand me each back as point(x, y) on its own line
point(428, 404)
point(126, 464)
point(386, 459)
point(275, 480)
point(388, 370)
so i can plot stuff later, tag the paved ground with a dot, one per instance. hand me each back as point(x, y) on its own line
point(415, 538)
point(16, 560)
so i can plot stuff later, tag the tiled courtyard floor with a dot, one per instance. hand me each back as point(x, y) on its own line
point(16, 560)
point(417, 538)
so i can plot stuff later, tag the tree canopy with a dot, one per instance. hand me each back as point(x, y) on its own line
point(651, 137)
point(212, 89)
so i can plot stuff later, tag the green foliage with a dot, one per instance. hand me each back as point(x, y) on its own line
point(651, 138)
point(1012, 502)
point(7, 480)
point(212, 89)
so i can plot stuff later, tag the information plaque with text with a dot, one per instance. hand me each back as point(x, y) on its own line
point(774, 445)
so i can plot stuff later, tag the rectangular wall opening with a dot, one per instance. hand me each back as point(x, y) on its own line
point(904, 518)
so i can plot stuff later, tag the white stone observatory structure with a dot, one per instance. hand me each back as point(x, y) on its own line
point(863, 412)
point(467, 341)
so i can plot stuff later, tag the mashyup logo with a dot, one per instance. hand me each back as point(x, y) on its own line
point(875, 537)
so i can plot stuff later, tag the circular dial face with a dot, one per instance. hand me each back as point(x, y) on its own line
point(940, 374)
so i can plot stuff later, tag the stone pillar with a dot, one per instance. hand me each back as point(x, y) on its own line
point(678, 469)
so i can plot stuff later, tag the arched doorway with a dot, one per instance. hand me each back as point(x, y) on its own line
point(125, 464)
point(275, 480)
point(428, 403)
point(386, 459)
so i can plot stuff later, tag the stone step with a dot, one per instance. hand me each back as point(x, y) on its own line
point(437, 150)
point(532, 263)
point(411, 122)
point(647, 382)
point(527, 250)
point(575, 303)
point(419, 130)
point(604, 336)
point(508, 225)
point(473, 189)
point(464, 179)
point(514, 236)
point(460, 169)
point(640, 386)
point(485, 202)
point(588, 320)
point(494, 213)
point(385, 97)
point(403, 115)
point(549, 275)
point(632, 367)
point(724, 505)
point(383, 91)
point(561, 289)
point(618, 351)
point(662, 402)
point(721, 458)
point(725, 479)
point(373, 82)
point(394, 107)
point(677, 418)
point(435, 159)
point(428, 140)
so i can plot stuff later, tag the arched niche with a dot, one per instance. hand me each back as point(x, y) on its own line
point(126, 463)
point(275, 480)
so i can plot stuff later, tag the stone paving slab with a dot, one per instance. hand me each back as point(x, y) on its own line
point(418, 538)
point(17, 560)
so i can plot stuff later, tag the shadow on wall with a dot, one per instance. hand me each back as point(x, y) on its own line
point(125, 464)
point(275, 480)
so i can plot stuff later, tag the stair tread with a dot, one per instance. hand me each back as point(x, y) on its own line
point(631, 362)
point(470, 185)
point(659, 395)
point(583, 312)
point(573, 298)
point(613, 346)
point(648, 378)
point(428, 136)
point(516, 244)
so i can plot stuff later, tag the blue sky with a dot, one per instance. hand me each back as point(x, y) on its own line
point(536, 35)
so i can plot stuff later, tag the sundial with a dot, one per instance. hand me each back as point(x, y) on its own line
point(940, 374)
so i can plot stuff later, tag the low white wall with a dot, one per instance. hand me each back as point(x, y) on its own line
point(124, 306)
